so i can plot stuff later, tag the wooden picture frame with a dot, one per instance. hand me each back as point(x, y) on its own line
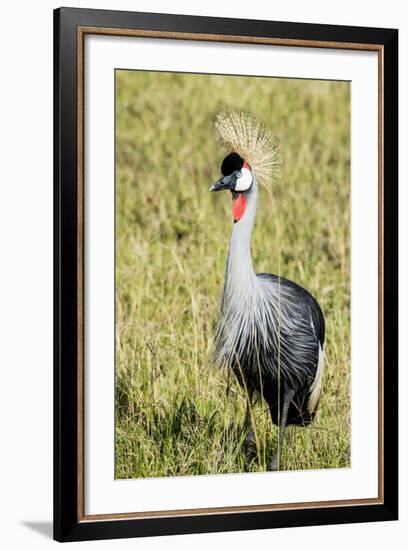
point(70, 28)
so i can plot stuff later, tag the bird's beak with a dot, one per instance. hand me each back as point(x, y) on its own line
point(226, 182)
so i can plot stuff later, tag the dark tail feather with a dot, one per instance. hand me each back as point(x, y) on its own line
point(298, 414)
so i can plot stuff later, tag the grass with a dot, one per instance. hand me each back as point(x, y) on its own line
point(175, 415)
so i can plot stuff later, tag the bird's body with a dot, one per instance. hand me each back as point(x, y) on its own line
point(270, 330)
point(278, 352)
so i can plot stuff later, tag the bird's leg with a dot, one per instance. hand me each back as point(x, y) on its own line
point(249, 442)
point(274, 464)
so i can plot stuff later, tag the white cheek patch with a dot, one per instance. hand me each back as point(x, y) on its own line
point(245, 181)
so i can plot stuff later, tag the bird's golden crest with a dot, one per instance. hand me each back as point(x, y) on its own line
point(241, 133)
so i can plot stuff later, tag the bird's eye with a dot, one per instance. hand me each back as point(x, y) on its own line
point(239, 174)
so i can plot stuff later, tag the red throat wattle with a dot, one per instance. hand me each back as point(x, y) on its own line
point(238, 207)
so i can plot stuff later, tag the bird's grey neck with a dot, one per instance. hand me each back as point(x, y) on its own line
point(239, 264)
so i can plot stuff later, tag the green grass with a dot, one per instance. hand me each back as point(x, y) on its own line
point(175, 415)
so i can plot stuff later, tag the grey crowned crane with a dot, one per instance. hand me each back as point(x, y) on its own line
point(270, 331)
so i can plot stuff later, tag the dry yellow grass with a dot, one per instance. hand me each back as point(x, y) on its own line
point(174, 414)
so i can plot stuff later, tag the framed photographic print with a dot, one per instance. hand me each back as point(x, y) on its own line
point(225, 274)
